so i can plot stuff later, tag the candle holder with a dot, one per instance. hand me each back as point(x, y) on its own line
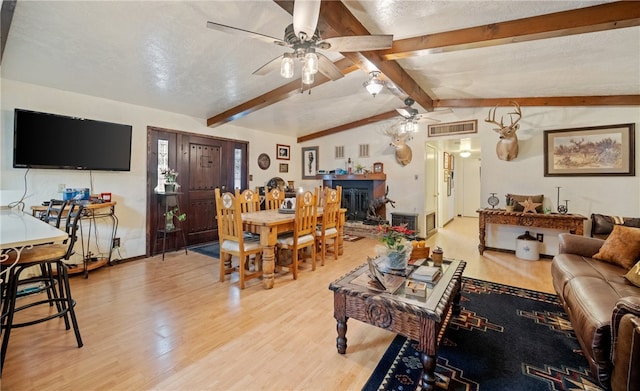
point(563, 209)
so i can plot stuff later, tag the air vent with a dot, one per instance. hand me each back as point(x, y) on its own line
point(450, 128)
point(339, 152)
point(363, 150)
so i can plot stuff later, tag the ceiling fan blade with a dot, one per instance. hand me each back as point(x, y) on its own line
point(245, 33)
point(403, 111)
point(305, 17)
point(328, 68)
point(269, 67)
point(357, 43)
point(421, 118)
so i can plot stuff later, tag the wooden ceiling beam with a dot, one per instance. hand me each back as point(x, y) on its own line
point(6, 16)
point(567, 101)
point(351, 125)
point(274, 96)
point(336, 20)
point(601, 17)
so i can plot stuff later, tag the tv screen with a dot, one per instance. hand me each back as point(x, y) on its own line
point(42, 140)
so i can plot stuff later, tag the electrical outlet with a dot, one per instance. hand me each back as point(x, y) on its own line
point(116, 243)
point(61, 187)
point(540, 237)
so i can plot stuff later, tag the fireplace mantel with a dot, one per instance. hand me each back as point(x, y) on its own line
point(374, 183)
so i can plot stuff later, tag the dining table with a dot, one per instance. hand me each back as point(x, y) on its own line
point(268, 224)
point(19, 230)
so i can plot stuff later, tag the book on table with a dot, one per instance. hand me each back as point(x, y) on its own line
point(426, 273)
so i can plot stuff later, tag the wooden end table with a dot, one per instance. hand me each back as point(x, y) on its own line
point(420, 319)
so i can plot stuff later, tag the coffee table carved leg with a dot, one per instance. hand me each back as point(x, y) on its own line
point(341, 341)
point(428, 378)
point(340, 313)
point(456, 300)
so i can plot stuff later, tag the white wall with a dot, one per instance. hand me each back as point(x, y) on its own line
point(128, 188)
point(524, 175)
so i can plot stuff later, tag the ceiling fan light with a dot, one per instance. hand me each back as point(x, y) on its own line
point(374, 85)
point(307, 76)
point(287, 66)
point(465, 154)
point(311, 61)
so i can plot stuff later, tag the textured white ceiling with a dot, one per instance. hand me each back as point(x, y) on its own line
point(160, 54)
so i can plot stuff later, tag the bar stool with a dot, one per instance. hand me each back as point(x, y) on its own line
point(50, 258)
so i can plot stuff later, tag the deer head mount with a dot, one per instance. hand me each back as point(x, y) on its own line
point(507, 147)
point(399, 142)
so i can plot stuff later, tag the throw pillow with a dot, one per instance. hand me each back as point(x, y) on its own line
point(522, 198)
point(634, 275)
point(622, 247)
point(601, 224)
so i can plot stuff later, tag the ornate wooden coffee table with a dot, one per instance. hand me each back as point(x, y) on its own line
point(420, 319)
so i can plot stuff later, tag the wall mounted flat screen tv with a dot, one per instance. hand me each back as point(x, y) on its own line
point(42, 140)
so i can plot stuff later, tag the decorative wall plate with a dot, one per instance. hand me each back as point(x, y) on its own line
point(264, 161)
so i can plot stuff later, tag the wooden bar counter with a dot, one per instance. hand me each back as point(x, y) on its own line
point(567, 222)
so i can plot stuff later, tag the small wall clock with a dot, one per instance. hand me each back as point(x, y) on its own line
point(264, 161)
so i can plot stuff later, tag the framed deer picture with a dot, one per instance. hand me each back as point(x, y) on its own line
point(593, 151)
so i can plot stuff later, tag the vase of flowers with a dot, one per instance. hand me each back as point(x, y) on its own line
point(396, 245)
point(170, 178)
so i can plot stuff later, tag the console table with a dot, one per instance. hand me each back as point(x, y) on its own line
point(568, 222)
point(93, 211)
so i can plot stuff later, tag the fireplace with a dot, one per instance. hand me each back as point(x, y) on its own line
point(358, 190)
point(357, 202)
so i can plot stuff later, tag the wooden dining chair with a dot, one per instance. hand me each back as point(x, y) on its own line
point(233, 241)
point(273, 198)
point(249, 200)
point(304, 229)
point(328, 228)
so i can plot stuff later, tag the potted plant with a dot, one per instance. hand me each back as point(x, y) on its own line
point(170, 177)
point(510, 203)
point(171, 213)
point(397, 246)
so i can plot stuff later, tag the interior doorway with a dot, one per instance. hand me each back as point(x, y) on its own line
point(431, 190)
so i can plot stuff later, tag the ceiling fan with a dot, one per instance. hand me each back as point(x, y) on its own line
point(302, 36)
point(412, 117)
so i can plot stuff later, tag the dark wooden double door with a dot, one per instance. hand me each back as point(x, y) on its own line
point(203, 163)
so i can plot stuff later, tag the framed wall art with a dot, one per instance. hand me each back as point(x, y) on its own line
point(309, 162)
point(446, 161)
point(284, 167)
point(283, 152)
point(593, 151)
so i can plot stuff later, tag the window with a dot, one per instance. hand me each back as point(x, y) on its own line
point(237, 168)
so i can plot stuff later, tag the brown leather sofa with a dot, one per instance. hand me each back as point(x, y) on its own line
point(604, 309)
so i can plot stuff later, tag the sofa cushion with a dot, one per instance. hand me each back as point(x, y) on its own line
point(590, 316)
point(568, 266)
point(602, 225)
point(633, 276)
point(622, 247)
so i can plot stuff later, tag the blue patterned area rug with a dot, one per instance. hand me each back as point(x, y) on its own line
point(505, 339)
point(211, 249)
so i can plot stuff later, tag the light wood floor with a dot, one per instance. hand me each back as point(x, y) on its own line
point(154, 325)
